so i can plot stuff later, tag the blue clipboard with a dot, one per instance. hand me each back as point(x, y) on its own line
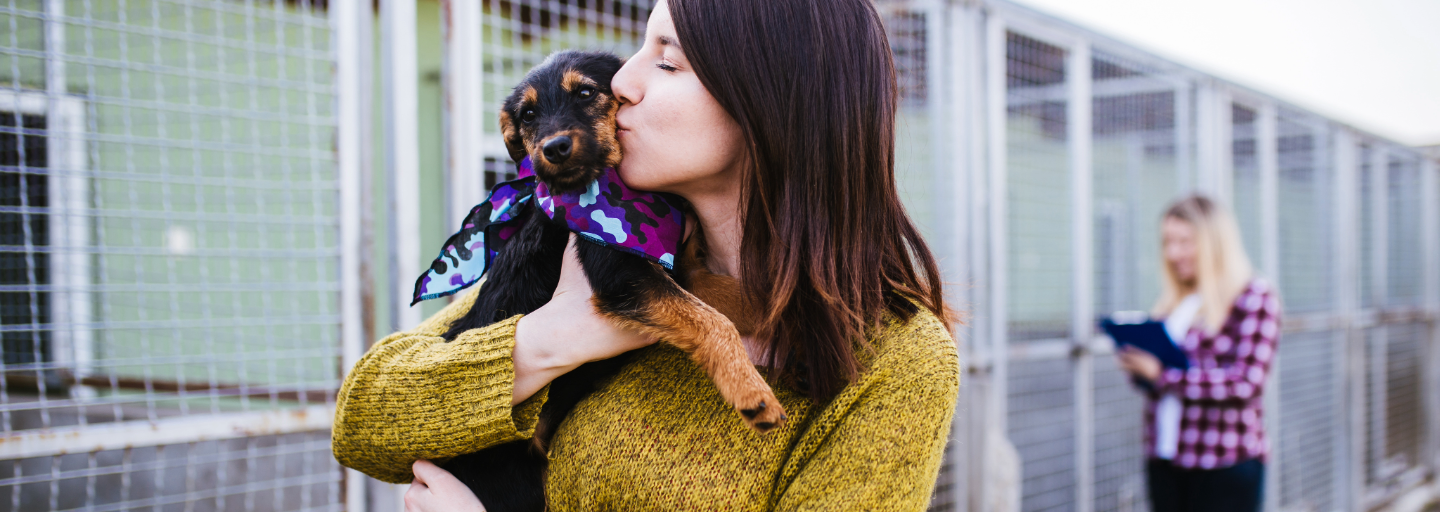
point(1147, 335)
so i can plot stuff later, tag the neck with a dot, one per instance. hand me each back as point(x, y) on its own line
point(717, 209)
point(720, 218)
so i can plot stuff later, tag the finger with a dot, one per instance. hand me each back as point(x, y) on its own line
point(424, 471)
point(415, 498)
point(439, 478)
point(572, 275)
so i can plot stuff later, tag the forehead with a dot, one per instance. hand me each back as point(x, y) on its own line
point(659, 23)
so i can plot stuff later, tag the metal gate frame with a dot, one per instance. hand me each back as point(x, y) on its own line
point(983, 92)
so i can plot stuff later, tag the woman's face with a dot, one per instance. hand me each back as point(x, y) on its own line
point(1178, 244)
point(673, 134)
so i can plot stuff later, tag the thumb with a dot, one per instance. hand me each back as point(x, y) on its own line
point(425, 472)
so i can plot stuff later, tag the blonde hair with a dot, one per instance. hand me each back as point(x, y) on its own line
point(1222, 270)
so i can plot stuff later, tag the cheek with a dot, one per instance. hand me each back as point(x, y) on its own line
point(684, 137)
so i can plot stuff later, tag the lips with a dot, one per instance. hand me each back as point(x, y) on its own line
point(620, 126)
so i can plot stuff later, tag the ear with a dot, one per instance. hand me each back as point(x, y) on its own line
point(511, 133)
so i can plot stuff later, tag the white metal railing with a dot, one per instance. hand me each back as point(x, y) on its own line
point(169, 227)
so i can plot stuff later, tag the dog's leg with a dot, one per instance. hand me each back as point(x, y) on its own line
point(640, 295)
point(724, 293)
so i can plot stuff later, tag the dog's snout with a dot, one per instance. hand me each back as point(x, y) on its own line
point(558, 149)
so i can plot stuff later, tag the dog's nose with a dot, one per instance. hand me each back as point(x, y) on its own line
point(558, 149)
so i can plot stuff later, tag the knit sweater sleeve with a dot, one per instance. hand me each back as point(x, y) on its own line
point(415, 396)
point(888, 437)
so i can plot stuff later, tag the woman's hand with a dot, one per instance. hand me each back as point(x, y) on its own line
point(566, 333)
point(1139, 363)
point(435, 489)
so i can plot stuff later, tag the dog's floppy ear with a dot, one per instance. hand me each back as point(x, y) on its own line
point(514, 143)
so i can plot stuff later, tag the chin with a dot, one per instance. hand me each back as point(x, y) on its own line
point(637, 178)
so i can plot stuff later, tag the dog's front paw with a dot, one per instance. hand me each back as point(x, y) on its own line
point(761, 410)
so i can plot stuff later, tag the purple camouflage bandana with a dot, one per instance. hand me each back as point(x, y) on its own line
point(607, 212)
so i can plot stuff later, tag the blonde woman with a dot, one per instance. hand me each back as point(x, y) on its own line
point(1204, 427)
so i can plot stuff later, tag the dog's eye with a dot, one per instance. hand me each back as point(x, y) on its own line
point(528, 116)
point(586, 92)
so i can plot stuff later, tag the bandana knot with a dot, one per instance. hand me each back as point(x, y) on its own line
point(606, 212)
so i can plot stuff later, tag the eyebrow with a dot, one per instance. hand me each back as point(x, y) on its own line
point(668, 41)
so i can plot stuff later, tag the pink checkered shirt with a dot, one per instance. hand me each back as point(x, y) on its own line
point(1222, 421)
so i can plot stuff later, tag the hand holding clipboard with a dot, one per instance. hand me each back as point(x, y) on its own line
point(1137, 330)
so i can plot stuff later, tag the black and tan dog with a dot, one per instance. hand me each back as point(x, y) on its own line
point(562, 115)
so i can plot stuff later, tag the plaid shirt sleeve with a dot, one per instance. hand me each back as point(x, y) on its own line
point(1242, 351)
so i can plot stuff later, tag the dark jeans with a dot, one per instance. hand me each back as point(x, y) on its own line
point(1238, 488)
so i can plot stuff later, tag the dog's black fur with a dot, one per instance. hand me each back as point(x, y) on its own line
point(569, 96)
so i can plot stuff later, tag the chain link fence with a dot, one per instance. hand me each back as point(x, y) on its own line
point(169, 230)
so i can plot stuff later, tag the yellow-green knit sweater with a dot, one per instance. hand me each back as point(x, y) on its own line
point(658, 436)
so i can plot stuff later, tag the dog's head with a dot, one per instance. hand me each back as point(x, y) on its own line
point(562, 115)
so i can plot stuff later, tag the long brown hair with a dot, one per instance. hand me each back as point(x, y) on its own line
point(827, 246)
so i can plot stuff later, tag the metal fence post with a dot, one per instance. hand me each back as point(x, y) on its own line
point(1080, 126)
point(1351, 367)
point(352, 54)
point(463, 108)
point(995, 336)
point(967, 65)
point(1268, 153)
point(1430, 226)
point(401, 82)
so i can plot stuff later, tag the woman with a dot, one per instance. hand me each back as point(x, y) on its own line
point(1204, 427)
point(775, 120)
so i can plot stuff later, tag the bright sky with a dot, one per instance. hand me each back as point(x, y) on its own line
point(1373, 64)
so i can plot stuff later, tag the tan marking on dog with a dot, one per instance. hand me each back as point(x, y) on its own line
point(529, 98)
point(512, 137)
point(507, 128)
point(602, 111)
point(724, 293)
point(571, 79)
point(713, 343)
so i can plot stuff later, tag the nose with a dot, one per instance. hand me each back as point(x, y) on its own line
point(558, 149)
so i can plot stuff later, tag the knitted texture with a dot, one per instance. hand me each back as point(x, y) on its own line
point(658, 436)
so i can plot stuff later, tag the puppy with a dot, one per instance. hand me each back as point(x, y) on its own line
point(562, 117)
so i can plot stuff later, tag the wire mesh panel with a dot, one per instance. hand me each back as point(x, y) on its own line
point(1305, 202)
point(1394, 390)
point(1042, 427)
point(1375, 468)
point(915, 172)
point(169, 249)
point(1404, 278)
point(1038, 185)
point(1311, 416)
point(1366, 228)
point(1404, 401)
point(1119, 440)
point(1245, 179)
point(1136, 174)
point(266, 473)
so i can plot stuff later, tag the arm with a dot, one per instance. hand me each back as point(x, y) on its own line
point(1254, 349)
point(885, 449)
point(414, 396)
